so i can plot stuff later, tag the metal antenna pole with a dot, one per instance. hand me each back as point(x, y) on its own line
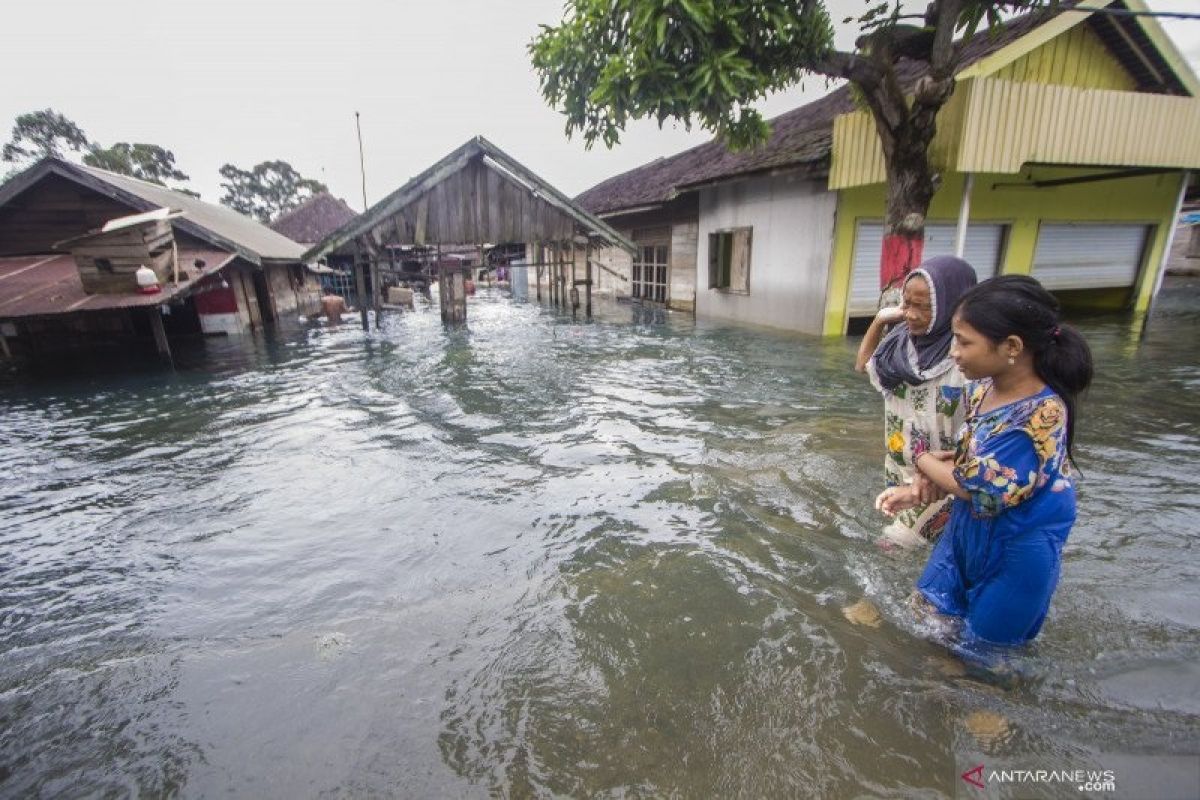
point(361, 162)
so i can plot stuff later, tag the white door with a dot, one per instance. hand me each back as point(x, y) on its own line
point(1089, 255)
point(984, 249)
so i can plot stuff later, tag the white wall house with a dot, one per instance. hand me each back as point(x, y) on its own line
point(789, 223)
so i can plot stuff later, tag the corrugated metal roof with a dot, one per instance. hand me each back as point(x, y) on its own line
point(241, 230)
point(45, 285)
point(221, 227)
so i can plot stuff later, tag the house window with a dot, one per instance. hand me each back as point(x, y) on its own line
point(650, 273)
point(729, 260)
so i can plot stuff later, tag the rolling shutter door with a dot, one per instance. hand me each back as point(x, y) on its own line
point(1089, 256)
point(985, 244)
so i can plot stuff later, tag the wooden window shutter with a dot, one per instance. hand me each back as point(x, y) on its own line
point(739, 271)
point(714, 260)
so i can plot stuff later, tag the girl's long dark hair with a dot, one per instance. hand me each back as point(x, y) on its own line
point(1017, 305)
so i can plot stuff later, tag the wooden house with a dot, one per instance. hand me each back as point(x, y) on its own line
point(477, 197)
point(64, 279)
point(1064, 152)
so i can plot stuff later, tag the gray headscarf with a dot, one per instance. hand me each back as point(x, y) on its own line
point(906, 357)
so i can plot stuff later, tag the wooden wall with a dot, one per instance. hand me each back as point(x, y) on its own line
point(50, 211)
point(476, 204)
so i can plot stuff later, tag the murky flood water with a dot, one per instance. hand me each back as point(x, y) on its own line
point(541, 557)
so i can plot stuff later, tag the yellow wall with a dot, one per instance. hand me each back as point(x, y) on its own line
point(1076, 58)
point(1148, 199)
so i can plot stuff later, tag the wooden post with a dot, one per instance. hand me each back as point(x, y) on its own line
point(587, 257)
point(573, 291)
point(376, 296)
point(360, 285)
point(160, 335)
point(558, 274)
point(537, 259)
point(4, 347)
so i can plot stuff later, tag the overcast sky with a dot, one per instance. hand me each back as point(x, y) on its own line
point(245, 81)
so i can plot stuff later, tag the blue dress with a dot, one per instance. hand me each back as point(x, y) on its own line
point(997, 564)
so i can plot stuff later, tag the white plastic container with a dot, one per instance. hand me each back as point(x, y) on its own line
point(147, 281)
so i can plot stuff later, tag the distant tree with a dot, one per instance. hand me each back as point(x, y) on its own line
point(146, 161)
point(42, 133)
point(266, 190)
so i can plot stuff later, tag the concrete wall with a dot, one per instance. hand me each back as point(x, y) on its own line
point(791, 247)
point(1015, 202)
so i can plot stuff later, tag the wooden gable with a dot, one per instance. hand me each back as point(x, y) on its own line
point(475, 204)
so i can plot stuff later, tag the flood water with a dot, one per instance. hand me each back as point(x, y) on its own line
point(541, 557)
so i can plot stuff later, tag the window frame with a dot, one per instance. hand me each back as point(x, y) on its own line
point(723, 254)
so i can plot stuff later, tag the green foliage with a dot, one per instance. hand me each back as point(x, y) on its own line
point(266, 190)
point(146, 161)
point(42, 133)
point(611, 61)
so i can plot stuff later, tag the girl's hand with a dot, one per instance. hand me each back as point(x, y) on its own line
point(894, 499)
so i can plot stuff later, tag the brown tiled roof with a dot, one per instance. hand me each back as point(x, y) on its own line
point(801, 137)
point(313, 220)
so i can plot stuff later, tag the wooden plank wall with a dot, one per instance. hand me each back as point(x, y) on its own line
point(108, 263)
point(475, 205)
point(53, 210)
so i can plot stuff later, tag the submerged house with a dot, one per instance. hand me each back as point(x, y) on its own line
point(1064, 149)
point(72, 237)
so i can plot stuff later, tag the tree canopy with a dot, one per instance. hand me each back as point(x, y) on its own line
point(266, 190)
point(610, 61)
point(42, 133)
point(146, 161)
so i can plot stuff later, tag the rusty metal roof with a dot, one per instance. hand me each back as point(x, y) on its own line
point(48, 285)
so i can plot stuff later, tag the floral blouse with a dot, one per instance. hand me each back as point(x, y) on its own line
point(1008, 454)
point(918, 418)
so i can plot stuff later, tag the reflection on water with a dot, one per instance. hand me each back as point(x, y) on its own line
point(539, 556)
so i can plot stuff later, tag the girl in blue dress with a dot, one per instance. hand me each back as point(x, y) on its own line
point(997, 565)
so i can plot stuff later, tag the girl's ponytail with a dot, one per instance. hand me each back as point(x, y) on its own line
point(1065, 364)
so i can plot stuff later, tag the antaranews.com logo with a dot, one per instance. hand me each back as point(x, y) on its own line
point(1085, 780)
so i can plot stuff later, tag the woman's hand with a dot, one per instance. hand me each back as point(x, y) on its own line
point(894, 499)
point(927, 490)
point(890, 315)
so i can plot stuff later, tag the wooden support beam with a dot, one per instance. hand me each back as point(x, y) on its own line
point(537, 249)
point(160, 334)
point(376, 291)
point(609, 270)
point(587, 260)
point(360, 285)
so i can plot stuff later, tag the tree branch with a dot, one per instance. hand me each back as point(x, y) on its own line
point(851, 66)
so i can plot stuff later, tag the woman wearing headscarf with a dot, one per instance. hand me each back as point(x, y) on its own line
point(921, 387)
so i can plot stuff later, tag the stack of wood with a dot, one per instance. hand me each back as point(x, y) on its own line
point(108, 259)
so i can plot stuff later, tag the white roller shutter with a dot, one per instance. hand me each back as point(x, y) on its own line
point(985, 243)
point(1089, 255)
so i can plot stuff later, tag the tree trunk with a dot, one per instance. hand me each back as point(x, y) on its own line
point(906, 130)
point(910, 190)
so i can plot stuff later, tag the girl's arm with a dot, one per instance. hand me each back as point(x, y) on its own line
point(870, 341)
point(938, 466)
